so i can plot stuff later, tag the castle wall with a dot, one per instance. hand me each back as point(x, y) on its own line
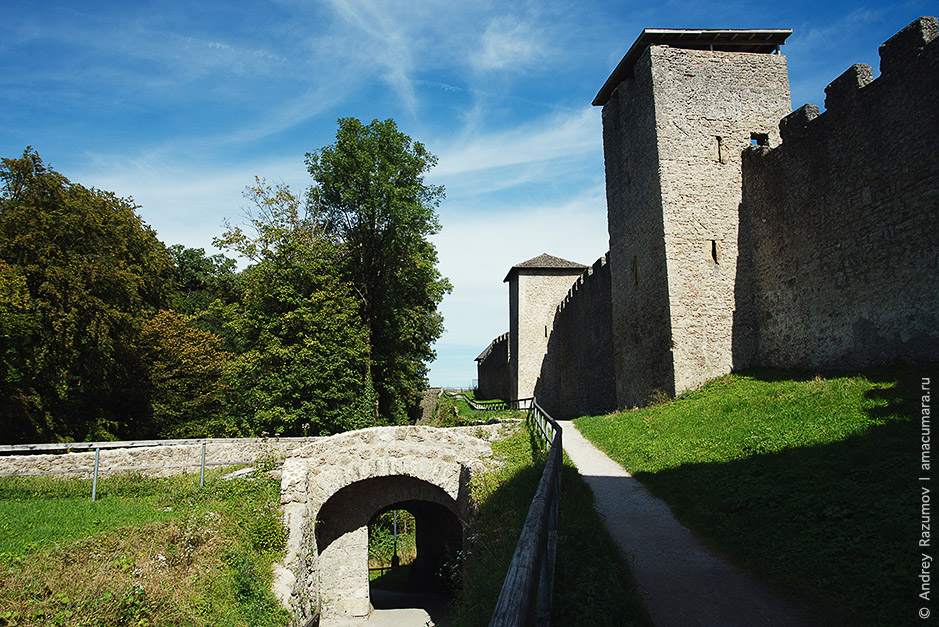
point(534, 296)
point(640, 317)
point(815, 248)
point(577, 372)
point(844, 215)
point(493, 371)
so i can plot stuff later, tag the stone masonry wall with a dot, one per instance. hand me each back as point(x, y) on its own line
point(577, 373)
point(638, 280)
point(538, 296)
point(493, 370)
point(709, 107)
point(844, 216)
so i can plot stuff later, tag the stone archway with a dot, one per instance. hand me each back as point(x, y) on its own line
point(331, 488)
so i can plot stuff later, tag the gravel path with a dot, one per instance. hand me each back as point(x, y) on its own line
point(682, 583)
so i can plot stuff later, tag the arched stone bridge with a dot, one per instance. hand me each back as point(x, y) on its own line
point(332, 488)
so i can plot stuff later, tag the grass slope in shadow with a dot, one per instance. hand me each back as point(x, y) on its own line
point(808, 481)
point(592, 584)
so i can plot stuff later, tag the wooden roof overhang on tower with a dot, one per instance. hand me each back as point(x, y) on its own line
point(546, 262)
point(765, 41)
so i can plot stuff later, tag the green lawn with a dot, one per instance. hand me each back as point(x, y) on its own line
point(809, 481)
point(147, 552)
point(453, 411)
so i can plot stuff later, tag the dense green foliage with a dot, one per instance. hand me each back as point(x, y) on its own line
point(807, 480)
point(370, 199)
point(383, 544)
point(147, 552)
point(199, 279)
point(186, 368)
point(105, 333)
point(79, 276)
point(301, 365)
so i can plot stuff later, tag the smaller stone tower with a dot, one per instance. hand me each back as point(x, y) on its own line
point(536, 287)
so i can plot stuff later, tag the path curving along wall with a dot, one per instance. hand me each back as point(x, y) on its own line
point(330, 490)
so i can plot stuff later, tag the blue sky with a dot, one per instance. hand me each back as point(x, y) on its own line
point(180, 104)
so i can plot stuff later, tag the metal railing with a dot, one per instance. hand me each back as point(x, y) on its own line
point(21, 449)
point(529, 583)
point(522, 403)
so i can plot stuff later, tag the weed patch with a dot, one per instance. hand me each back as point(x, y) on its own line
point(148, 552)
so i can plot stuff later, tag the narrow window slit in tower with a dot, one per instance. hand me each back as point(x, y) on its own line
point(634, 270)
point(719, 149)
point(715, 251)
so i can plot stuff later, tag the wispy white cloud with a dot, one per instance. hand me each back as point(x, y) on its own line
point(510, 43)
point(549, 138)
point(389, 36)
point(185, 204)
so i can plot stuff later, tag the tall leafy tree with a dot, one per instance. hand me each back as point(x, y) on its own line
point(185, 371)
point(79, 274)
point(370, 198)
point(301, 364)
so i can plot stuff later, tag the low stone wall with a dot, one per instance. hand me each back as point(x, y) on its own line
point(154, 461)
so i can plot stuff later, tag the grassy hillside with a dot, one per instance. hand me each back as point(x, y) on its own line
point(147, 552)
point(810, 481)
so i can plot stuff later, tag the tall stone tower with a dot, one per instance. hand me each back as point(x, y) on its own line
point(536, 287)
point(678, 111)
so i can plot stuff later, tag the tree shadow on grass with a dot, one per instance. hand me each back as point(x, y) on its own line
point(836, 524)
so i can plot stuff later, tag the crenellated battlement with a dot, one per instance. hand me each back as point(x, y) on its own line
point(903, 49)
point(836, 218)
point(588, 280)
point(905, 59)
point(733, 247)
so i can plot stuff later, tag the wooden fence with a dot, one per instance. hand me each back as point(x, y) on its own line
point(529, 583)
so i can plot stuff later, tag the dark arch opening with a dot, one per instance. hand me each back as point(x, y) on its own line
point(356, 504)
point(439, 537)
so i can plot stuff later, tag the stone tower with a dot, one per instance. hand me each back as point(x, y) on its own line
point(536, 287)
point(678, 111)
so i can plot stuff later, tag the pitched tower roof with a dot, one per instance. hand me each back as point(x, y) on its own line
point(766, 41)
point(545, 261)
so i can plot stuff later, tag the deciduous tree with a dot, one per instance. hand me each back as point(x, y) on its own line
point(301, 364)
point(79, 273)
point(185, 370)
point(370, 198)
